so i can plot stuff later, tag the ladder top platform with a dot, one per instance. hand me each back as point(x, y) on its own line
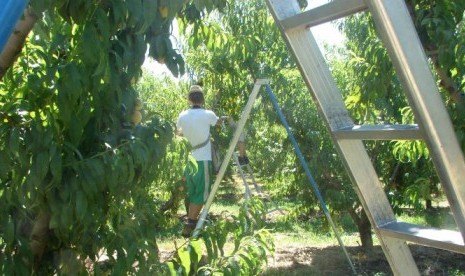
point(433, 237)
point(323, 14)
point(379, 132)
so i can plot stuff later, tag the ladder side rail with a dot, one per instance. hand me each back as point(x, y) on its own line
point(401, 39)
point(254, 182)
point(327, 96)
point(232, 145)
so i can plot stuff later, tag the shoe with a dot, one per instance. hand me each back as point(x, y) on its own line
point(189, 227)
point(243, 160)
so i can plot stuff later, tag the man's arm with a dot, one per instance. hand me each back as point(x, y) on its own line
point(219, 122)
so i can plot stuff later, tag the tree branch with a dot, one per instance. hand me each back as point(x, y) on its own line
point(446, 81)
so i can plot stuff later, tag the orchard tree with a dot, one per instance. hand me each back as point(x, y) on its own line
point(77, 161)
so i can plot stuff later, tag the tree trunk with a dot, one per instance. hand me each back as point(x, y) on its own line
point(429, 204)
point(39, 237)
point(15, 43)
point(364, 228)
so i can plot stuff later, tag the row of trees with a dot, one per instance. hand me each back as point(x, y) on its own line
point(80, 178)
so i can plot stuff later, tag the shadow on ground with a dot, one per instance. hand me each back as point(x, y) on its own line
point(332, 261)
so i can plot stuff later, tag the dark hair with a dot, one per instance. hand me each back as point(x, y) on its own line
point(196, 98)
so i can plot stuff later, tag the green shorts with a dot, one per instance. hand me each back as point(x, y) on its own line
point(199, 182)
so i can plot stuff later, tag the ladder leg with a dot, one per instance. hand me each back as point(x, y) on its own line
point(254, 182)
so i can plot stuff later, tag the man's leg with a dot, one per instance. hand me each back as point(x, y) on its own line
point(200, 191)
point(243, 159)
point(194, 211)
point(192, 218)
point(241, 147)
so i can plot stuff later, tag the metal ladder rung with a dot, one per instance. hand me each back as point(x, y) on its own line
point(433, 237)
point(325, 13)
point(379, 132)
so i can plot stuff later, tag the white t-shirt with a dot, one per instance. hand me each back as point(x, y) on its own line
point(195, 125)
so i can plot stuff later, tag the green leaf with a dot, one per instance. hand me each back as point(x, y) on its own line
point(118, 10)
point(185, 259)
point(75, 129)
point(96, 169)
point(103, 24)
point(64, 106)
point(66, 217)
point(248, 260)
point(87, 183)
point(87, 50)
point(211, 251)
point(195, 253)
point(235, 267)
point(56, 166)
point(150, 12)
point(40, 166)
point(40, 6)
point(81, 205)
point(140, 48)
point(171, 268)
point(135, 13)
point(14, 141)
point(9, 231)
point(4, 164)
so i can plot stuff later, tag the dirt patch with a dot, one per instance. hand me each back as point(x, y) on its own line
point(332, 261)
point(294, 260)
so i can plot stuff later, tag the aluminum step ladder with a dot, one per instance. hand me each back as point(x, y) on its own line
point(433, 123)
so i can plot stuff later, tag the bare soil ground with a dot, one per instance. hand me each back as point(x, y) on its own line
point(332, 261)
point(305, 260)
